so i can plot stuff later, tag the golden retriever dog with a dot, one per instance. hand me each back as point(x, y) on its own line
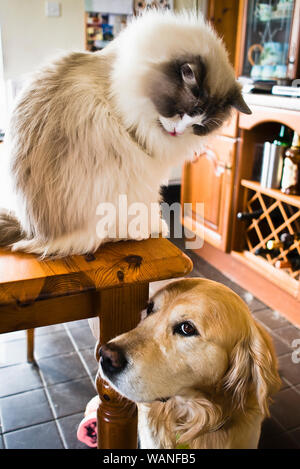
point(199, 367)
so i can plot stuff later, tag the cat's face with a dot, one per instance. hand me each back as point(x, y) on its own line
point(184, 100)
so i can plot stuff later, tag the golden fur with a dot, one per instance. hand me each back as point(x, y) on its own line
point(218, 383)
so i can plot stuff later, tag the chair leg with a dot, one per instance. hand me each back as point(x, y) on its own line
point(30, 345)
point(119, 311)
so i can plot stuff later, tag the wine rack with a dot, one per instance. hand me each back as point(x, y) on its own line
point(280, 214)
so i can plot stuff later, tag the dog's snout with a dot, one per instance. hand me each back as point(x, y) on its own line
point(112, 359)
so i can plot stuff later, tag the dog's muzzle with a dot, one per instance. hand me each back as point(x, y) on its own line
point(112, 359)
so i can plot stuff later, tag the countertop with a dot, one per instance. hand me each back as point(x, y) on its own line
point(268, 100)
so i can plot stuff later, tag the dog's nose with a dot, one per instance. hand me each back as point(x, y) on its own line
point(112, 359)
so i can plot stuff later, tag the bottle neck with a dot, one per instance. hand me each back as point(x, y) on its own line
point(296, 141)
point(283, 138)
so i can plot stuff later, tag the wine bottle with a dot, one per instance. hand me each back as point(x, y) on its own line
point(290, 182)
point(249, 215)
point(284, 137)
point(263, 251)
point(273, 244)
point(286, 240)
point(293, 263)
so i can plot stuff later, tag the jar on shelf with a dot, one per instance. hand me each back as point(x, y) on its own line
point(290, 183)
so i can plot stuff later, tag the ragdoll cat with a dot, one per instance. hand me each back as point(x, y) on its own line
point(93, 126)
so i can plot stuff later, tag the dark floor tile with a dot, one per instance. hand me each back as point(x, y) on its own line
point(56, 343)
point(295, 435)
point(71, 397)
point(48, 329)
point(208, 271)
point(69, 427)
point(285, 408)
point(83, 337)
point(289, 370)
point(80, 323)
point(90, 360)
point(253, 303)
point(284, 384)
point(23, 410)
point(281, 348)
point(195, 273)
point(288, 334)
point(271, 319)
point(13, 352)
point(44, 436)
point(19, 378)
point(283, 441)
point(270, 429)
point(62, 368)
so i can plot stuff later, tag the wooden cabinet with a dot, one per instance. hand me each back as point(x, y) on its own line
point(209, 180)
point(225, 178)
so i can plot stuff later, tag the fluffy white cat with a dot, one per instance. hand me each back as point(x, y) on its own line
point(93, 126)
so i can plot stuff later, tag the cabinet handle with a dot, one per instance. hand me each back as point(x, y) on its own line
point(220, 166)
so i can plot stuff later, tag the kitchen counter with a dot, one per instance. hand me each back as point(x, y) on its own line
point(269, 100)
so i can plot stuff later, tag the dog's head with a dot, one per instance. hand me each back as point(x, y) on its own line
point(195, 335)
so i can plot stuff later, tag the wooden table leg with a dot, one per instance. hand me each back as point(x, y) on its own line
point(30, 345)
point(119, 311)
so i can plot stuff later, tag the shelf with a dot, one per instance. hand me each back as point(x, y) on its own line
point(274, 193)
point(276, 18)
point(278, 276)
point(280, 214)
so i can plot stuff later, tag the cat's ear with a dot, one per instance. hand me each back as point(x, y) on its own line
point(239, 104)
point(188, 74)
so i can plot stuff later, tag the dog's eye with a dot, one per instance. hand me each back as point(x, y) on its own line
point(185, 329)
point(149, 308)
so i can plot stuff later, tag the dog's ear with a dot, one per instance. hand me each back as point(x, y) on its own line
point(252, 365)
point(264, 367)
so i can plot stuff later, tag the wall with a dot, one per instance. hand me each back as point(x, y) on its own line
point(29, 37)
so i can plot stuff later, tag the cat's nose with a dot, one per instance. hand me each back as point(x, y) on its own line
point(112, 359)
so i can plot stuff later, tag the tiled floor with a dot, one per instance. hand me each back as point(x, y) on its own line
point(41, 406)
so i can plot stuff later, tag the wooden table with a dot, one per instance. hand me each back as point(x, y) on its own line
point(112, 284)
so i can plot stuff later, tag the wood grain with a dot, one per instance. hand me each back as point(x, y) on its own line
point(112, 284)
point(210, 180)
point(25, 278)
point(224, 16)
point(119, 311)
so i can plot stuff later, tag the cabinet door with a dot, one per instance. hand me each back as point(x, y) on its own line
point(210, 180)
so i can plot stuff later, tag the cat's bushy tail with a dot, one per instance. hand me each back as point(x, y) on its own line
point(10, 229)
